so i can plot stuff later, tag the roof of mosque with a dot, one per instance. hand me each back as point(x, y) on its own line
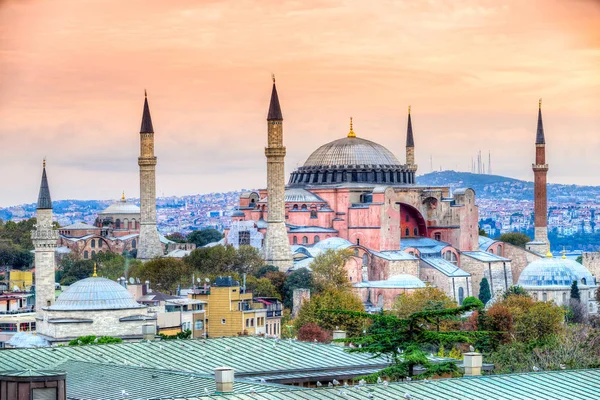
point(394, 255)
point(44, 200)
point(445, 267)
point(298, 195)
point(94, 293)
point(402, 281)
point(351, 151)
point(550, 271)
point(484, 256)
point(78, 226)
point(25, 340)
point(121, 207)
point(485, 242)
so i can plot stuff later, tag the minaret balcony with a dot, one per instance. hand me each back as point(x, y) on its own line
point(275, 151)
point(539, 167)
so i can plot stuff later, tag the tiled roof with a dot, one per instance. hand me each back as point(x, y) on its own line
point(79, 226)
point(445, 267)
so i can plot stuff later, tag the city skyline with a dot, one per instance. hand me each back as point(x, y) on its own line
point(472, 72)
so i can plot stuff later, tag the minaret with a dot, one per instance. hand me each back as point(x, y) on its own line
point(540, 169)
point(277, 245)
point(149, 243)
point(410, 150)
point(44, 239)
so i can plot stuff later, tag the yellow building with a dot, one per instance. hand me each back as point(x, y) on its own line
point(21, 279)
point(230, 311)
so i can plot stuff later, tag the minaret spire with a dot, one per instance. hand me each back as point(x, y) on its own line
point(44, 201)
point(277, 250)
point(146, 119)
point(410, 150)
point(539, 138)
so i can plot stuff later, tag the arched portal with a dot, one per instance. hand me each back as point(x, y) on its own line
point(412, 223)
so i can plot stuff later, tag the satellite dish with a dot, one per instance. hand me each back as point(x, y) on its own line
point(131, 280)
point(206, 280)
point(137, 280)
point(198, 280)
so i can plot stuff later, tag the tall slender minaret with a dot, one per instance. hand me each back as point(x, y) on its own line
point(410, 149)
point(44, 239)
point(277, 245)
point(149, 245)
point(540, 242)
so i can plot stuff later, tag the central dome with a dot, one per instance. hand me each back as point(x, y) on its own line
point(95, 294)
point(352, 151)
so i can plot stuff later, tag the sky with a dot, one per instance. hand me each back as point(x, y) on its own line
point(73, 74)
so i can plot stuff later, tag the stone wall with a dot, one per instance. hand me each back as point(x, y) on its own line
point(44, 239)
point(498, 274)
point(299, 297)
point(591, 261)
point(520, 258)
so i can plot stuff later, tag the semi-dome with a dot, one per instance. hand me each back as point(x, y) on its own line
point(95, 294)
point(352, 160)
point(553, 272)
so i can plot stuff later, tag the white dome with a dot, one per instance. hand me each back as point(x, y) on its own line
point(95, 294)
point(121, 207)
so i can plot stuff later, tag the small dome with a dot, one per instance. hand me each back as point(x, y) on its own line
point(95, 294)
point(121, 207)
point(238, 213)
point(335, 243)
point(554, 272)
point(351, 151)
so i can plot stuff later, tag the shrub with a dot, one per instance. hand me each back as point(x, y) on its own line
point(312, 332)
point(472, 300)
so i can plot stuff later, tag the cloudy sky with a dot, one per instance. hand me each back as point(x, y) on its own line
point(73, 74)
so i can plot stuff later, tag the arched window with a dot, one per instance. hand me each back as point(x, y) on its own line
point(407, 232)
point(93, 253)
point(438, 236)
point(355, 252)
point(86, 254)
point(93, 244)
point(450, 256)
point(492, 251)
point(304, 207)
point(316, 239)
point(564, 297)
point(544, 296)
point(583, 281)
point(416, 231)
point(365, 260)
point(118, 224)
point(133, 244)
point(125, 223)
point(295, 240)
point(500, 250)
point(313, 213)
point(295, 207)
point(358, 241)
point(407, 218)
point(380, 301)
point(99, 243)
point(304, 240)
point(461, 295)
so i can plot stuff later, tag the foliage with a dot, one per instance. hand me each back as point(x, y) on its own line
point(15, 256)
point(482, 233)
point(261, 287)
point(515, 238)
point(329, 272)
point(453, 353)
point(110, 265)
point(204, 237)
point(248, 260)
point(312, 332)
point(515, 290)
point(92, 340)
point(224, 260)
point(313, 311)
point(426, 299)
point(484, 291)
point(264, 270)
point(575, 291)
point(164, 274)
point(473, 301)
point(538, 324)
point(74, 269)
point(19, 233)
point(177, 237)
point(299, 279)
point(179, 335)
point(403, 340)
point(579, 259)
point(576, 312)
point(278, 279)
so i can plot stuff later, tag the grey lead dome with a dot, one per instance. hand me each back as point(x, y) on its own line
point(95, 294)
point(351, 151)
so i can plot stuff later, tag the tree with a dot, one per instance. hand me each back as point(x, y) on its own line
point(74, 270)
point(212, 260)
point(110, 265)
point(575, 291)
point(164, 273)
point(248, 260)
point(484, 291)
point(177, 237)
point(539, 323)
point(403, 340)
point(482, 233)
point(278, 279)
point(94, 340)
point(204, 237)
point(329, 270)
point(313, 311)
point(313, 333)
point(299, 279)
point(473, 301)
point(515, 238)
point(577, 312)
point(261, 287)
point(426, 299)
point(515, 290)
point(264, 270)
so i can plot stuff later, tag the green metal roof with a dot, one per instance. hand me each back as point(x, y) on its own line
point(249, 356)
point(554, 385)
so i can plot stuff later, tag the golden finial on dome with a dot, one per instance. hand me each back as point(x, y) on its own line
point(94, 274)
point(145, 93)
point(540, 103)
point(564, 253)
point(273, 77)
point(549, 254)
point(351, 134)
point(123, 196)
point(44, 163)
point(408, 110)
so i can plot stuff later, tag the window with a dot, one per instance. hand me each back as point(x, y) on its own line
point(223, 321)
point(492, 251)
point(295, 240)
point(313, 213)
point(244, 238)
point(450, 256)
point(416, 231)
point(86, 255)
point(93, 253)
point(564, 297)
point(407, 218)
point(247, 322)
point(44, 394)
point(461, 295)
point(133, 244)
point(199, 325)
point(583, 281)
point(118, 224)
point(316, 239)
point(358, 241)
point(365, 260)
point(304, 207)
point(500, 250)
point(304, 240)
point(93, 244)
point(407, 232)
point(295, 207)
point(544, 297)
point(99, 243)
point(438, 236)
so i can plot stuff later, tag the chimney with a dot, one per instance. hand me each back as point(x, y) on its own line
point(339, 334)
point(224, 379)
point(148, 290)
point(472, 362)
point(149, 331)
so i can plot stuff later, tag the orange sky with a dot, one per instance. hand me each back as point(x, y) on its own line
point(73, 72)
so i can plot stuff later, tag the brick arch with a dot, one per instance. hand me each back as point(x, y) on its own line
point(415, 220)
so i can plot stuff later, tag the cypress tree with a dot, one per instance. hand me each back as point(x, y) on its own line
point(484, 291)
point(575, 291)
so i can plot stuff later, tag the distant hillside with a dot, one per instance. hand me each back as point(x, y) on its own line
point(500, 187)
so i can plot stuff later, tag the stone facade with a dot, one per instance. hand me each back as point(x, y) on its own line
point(498, 273)
point(277, 250)
point(44, 239)
point(591, 260)
point(520, 259)
point(299, 297)
point(149, 245)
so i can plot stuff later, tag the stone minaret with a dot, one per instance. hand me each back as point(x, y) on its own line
point(149, 244)
point(540, 169)
point(410, 146)
point(277, 245)
point(44, 239)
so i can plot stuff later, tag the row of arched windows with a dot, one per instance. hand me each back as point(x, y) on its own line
point(126, 224)
point(415, 232)
point(316, 240)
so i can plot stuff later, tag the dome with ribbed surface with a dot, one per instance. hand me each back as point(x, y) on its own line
point(554, 272)
point(95, 294)
point(351, 151)
point(121, 207)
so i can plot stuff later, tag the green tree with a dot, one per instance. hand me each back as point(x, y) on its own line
point(94, 340)
point(579, 259)
point(261, 287)
point(74, 270)
point(482, 233)
point(110, 265)
point(204, 237)
point(484, 291)
point(278, 279)
point(313, 311)
point(299, 279)
point(426, 299)
point(473, 301)
point(515, 290)
point(575, 291)
point(177, 237)
point(212, 260)
point(515, 238)
point(264, 270)
point(248, 260)
point(164, 274)
point(329, 272)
